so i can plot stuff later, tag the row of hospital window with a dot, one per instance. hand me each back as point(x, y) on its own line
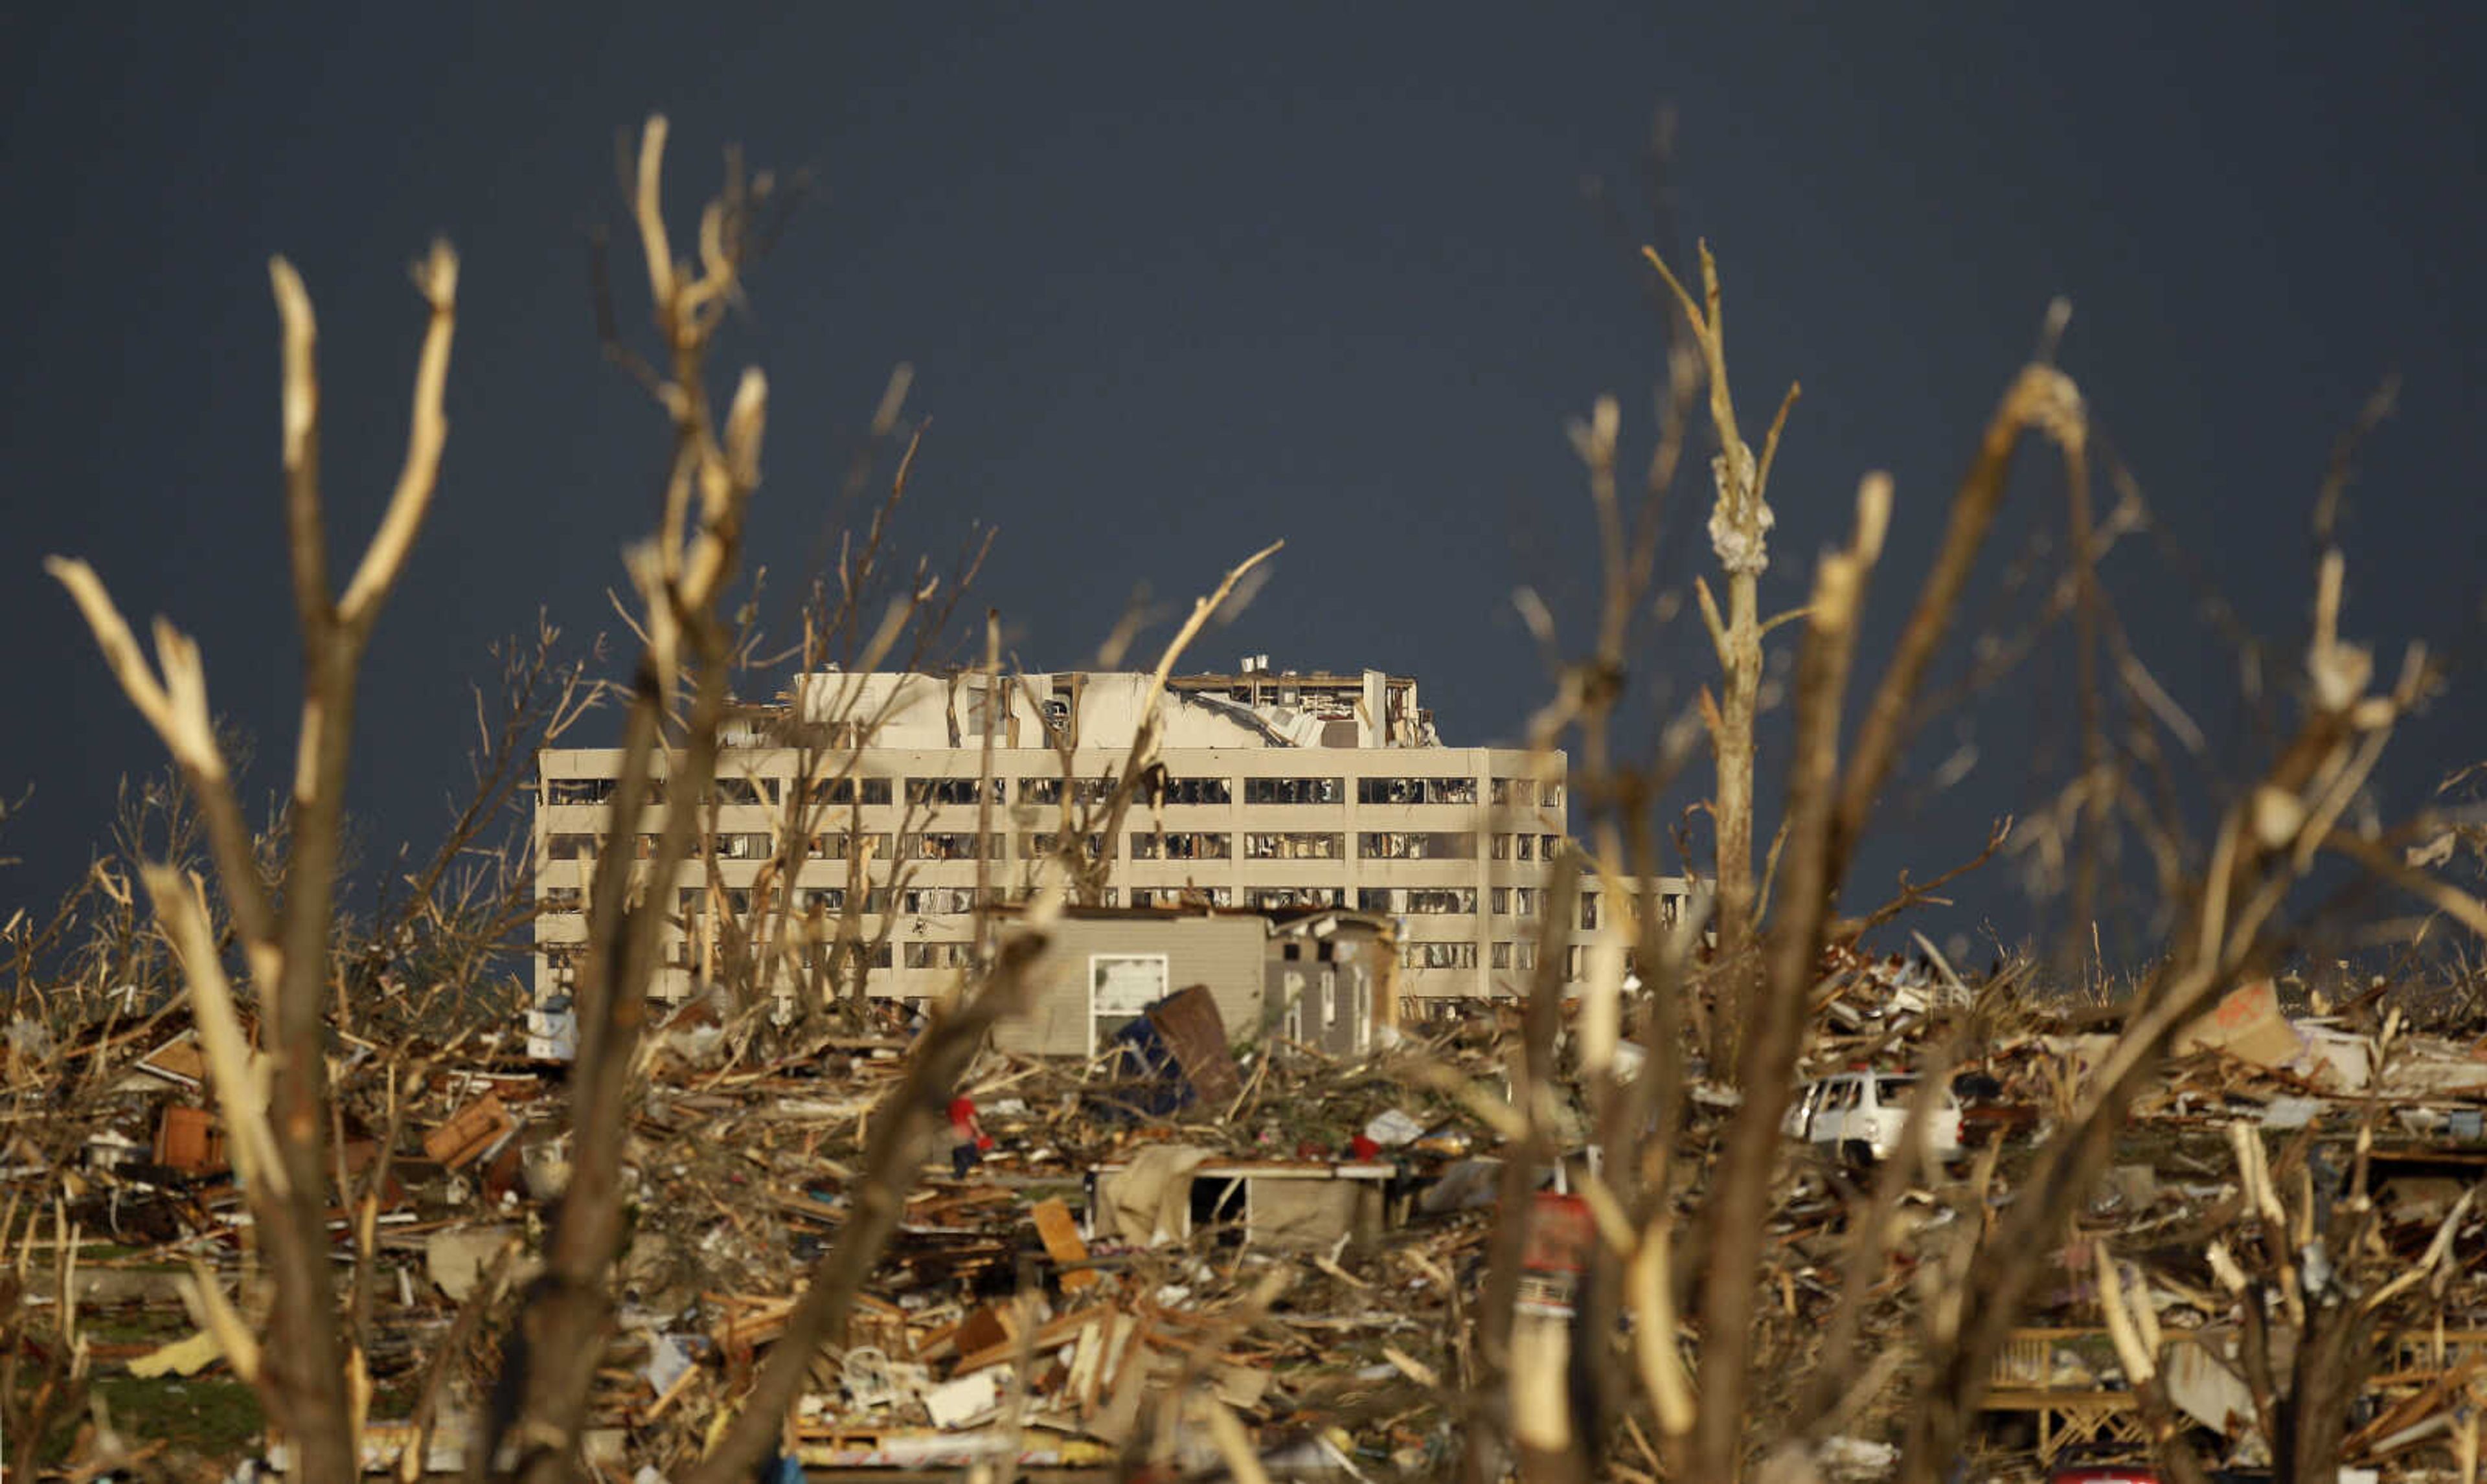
point(1171, 846)
point(1507, 791)
point(563, 960)
point(958, 900)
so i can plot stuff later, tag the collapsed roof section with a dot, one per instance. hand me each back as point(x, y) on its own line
point(1250, 709)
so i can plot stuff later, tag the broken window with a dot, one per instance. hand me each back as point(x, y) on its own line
point(569, 847)
point(1182, 897)
point(1500, 957)
point(852, 790)
point(1589, 909)
point(938, 901)
point(875, 899)
point(1292, 791)
point(1435, 900)
point(1515, 791)
point(836, 844)
point(563, 900)
point(695, 899)
point(953, 790)
point(875, 957)
point(744, 846)
point(1417, 845)
point(1121, 988)
point(1046, 842)
point(1438, 955)
point(1415, 790)
point(1264, 898)
point(1048, 790)
point(579, 790)
point(941, 955)
point(1183, 845)
point(745, 790)
point(561, 965)
point(936, 846)
point(1194, 790)
point(1265, 845)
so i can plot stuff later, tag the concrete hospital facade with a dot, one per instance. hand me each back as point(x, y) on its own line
point(1274, 791)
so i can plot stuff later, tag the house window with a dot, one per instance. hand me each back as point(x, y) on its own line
point(561, 900)
point(1501, 956)
point(941, 955)
point(1438, 955)
point(1121, 988)
point(1589, 909)
point(579, 790)
point(569, 847)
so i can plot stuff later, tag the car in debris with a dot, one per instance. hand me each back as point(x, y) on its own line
point(1860, 1114)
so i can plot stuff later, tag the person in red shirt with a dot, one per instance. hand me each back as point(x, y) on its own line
point(967, 1140)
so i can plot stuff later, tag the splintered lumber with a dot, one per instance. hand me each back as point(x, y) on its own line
point(1048, 1336)
point(1060, 1235)
point(468, 1132)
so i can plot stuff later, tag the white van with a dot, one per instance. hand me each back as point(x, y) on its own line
point(1860, 1114)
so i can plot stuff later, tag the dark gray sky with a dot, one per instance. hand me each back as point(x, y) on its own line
point(1176, 283)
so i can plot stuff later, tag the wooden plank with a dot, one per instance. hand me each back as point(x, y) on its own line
point(1196, 1033)
point(1060, 1235)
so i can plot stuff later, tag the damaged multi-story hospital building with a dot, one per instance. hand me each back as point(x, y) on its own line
point(1273, 791)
